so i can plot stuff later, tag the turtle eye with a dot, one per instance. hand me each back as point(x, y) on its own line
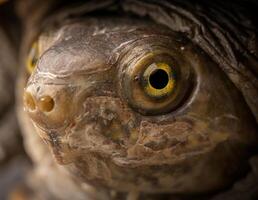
point(156, 83)
point(159, 80)
point(33, 57)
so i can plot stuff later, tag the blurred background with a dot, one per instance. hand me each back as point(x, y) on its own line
point(14, 163)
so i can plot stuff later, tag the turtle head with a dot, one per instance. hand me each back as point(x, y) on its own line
point(131, 105)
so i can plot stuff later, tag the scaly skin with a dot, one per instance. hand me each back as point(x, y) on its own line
point(103, 139)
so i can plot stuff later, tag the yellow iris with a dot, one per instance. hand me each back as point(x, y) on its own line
point(33, 57)
point(159, 80)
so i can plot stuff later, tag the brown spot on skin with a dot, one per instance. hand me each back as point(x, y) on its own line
point(159, 137)
point(133, 136)
point(115, 131)
point(139, 152)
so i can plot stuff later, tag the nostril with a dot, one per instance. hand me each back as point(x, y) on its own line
point(29, 101)
point(46, 103)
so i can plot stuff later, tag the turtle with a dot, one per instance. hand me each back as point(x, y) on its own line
point(138, 99)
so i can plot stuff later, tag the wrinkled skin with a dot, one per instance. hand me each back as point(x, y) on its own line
point(103, 139)
point(94, 130)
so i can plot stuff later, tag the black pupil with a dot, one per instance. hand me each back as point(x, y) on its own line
point(159, 79)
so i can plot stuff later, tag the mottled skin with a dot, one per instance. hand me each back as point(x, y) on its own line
point(103, 139)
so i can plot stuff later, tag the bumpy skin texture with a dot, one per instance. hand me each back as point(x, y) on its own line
point(105, 141)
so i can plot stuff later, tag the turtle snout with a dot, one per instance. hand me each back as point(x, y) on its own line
point(44, 103)
point(48, 105)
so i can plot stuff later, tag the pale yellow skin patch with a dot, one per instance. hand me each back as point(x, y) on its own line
point(150, 90)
